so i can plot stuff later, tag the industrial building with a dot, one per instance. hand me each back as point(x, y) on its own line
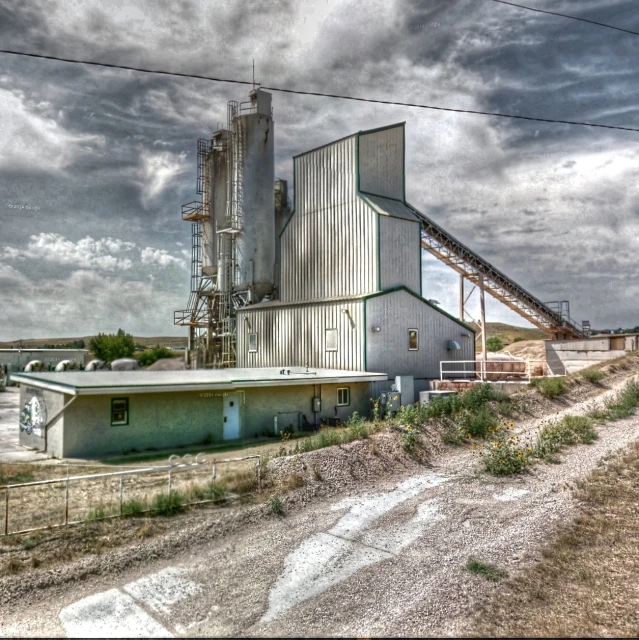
point(336, 280)
point(568, 356)
point(87, 415)
point(16, 360)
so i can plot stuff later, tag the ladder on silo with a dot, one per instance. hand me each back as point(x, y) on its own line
point(471, 266)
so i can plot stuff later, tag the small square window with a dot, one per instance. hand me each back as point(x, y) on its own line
point(119, 411)
point(331, 339)
point(343, 397)
point(252, 342)
point(413, 339)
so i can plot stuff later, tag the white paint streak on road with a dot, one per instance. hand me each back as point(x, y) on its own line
point(162, 590)
point(328, 558)
point(511, 494)
point(110, 614)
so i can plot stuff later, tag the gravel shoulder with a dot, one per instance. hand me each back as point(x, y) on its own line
point(380, 554)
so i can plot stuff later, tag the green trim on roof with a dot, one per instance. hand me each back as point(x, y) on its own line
point(412, 293)
point(387, 126)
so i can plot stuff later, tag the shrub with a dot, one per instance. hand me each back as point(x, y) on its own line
point(148, 357)
point(443, 406)
point(133, 507)
point(410, 438)
point(276, 506)
point(504, 457)
point(97, 513)
point(477, 396)
point(494, 344)
point(452, 433)
point(327, 437)
point(519, 339)
point(488, 571)
point(550, 387)
point(166, 504)
point(412, 414)
point(624, 403)
point(592, 375)
point(111, 347)
point(554, 436)
point(477, 423)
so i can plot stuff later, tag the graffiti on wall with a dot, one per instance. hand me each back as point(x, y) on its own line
point(33, 416)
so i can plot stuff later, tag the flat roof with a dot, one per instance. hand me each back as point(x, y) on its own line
point(110, 382)
point(18, 349)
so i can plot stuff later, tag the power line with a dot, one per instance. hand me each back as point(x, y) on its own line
point(324, 95)
point(563, 15)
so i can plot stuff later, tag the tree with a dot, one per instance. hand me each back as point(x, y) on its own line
point(110, 347)
point(494, 344)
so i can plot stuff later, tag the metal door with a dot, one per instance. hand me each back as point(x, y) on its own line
point(232, 416)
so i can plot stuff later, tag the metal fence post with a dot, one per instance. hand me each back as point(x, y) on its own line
point(66, 501)
point(259, 473)
point(214, 474)
point(169, 481)
point(121, 487)
point(6, 512)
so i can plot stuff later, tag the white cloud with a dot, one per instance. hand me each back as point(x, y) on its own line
point(161, 257)
point(86, 253)
point(31, 136)
point(157, 171)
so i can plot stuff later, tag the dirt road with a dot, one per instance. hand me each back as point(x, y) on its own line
point(388, 561)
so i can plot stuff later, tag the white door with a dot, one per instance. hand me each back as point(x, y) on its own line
point(232, 416)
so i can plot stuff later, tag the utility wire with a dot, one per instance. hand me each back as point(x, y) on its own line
point(563, 15)
point(324, 95)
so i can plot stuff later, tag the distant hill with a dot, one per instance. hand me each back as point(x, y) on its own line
point(38, 343)
point(508, 332)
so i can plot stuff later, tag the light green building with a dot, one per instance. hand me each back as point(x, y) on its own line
point(77, 414)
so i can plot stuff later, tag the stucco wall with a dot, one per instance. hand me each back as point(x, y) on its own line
point(49, 404)
point(171, 420)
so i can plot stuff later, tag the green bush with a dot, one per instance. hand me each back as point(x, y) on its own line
point(410, 438)
point(355, 429)
point(592, 375)
point(624, 403)
point(494, 344)
point(412, 414)
point(166, 504)
point(110, 347)
point(97, 513)
point(554, 436)
point(133, 507)
point(477, 423)
point(148, 357)
point(504, 457)
point(550, 387)
point(276, 506)
point(519, 339)
point(441, 406)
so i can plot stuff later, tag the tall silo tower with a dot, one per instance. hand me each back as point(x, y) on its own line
point(233, 229)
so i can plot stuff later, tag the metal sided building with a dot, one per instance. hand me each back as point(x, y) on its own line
point(350, 284)
point(92, 414)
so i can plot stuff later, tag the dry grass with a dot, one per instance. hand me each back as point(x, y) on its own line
point(586, 584)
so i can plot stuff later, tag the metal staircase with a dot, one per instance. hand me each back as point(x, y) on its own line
point(545, 316)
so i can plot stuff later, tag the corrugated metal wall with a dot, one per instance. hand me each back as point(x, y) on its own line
point(400, 253)
point(329, 247)
point(387, 351)
point(295, 335)
point(381, 162)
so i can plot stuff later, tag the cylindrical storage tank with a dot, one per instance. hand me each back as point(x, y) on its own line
point(217, 177)
point(256, 242)
point(63, 365)
point(95, 365)
point(125, 364)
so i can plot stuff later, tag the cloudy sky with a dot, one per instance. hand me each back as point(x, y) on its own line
point(95, 163)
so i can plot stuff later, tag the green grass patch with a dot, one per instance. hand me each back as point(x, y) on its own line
point(15, 473)
point(593, 376)
point(477, 423)
point(97, 513)
point(550, 387)
point(133, 507)
point(166, 504)
point(555, 436)
point(622, 405)
point(486, 570)
point(505, 457)
point(277, 508)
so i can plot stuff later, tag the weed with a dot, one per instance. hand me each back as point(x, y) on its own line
point(276, 506)
point(355, 429)
point(477, 423)
point(554, 436)
point(133, 507)
point(488, 571)
point(29, 543)
point(504, 457)
point(16, 473)
point(550, 387)
point(295, 481)
point(452, 433)
point(97, 513)
point(410, 438)
point(11, 566)
point(620, 406)
point(144, 530)
point(592, 375)
point(166, 504)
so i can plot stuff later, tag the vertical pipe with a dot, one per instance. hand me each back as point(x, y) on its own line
point(66, 500)
point(6, 512)
point(482, 311)
point(121, 491)
point(259, 473)
point(169, 481)
point(214, 474)
point(461, 298)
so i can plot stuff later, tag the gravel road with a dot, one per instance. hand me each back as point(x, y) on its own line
point(388, 560)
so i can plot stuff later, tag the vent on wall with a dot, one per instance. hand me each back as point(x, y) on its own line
point(453, 345)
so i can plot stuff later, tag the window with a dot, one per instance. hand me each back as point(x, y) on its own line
point(413, 339)
point(252, 343)
point(331, 339)
point(343, 397)
point(119, 411)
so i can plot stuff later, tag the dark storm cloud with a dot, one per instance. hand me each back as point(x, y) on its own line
point(121, 157)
